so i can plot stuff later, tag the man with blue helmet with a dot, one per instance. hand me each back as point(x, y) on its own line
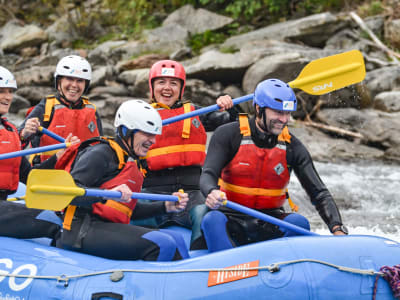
point(249, 162)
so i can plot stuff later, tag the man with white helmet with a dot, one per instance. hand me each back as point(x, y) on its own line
point(103, 228)
point(250, 162)
point(67, 111)
point(15, 219)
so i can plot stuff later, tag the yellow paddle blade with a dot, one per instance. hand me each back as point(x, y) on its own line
point(330, 73)
point(50, 189)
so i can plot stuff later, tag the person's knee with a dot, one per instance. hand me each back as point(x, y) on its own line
point(179, 242)
point(215, 232)
point(213, 219)
point(165, 242)
point(298, 220)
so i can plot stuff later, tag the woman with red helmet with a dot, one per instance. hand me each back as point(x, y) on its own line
point(175, 160)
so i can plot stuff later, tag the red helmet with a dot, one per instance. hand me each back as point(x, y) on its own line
point(167, 68)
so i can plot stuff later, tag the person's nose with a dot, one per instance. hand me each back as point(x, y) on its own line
point(285, 117)
point(152, 139)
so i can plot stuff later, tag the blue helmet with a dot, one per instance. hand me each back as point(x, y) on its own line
point(275, 94)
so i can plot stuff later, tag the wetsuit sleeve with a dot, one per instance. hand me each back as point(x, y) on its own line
point(37, 112)
point(99, 124)
point(223, 146)
point(300, 160)
point(24, 169)
point(93, 166)
point(145, 210)
point(214, 119)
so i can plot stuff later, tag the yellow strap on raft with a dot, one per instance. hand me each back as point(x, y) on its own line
point(292, 205)
point(68, 216)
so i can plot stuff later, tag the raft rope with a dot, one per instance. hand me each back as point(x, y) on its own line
point(272, 268)
point(392, 276)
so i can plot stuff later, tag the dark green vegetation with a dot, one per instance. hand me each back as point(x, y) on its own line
point(126, 19)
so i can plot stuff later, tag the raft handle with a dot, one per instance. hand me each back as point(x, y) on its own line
point(108, 295)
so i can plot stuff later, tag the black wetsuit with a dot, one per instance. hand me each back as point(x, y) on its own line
point(18, 221)
point(224, 146)
point(90, 233)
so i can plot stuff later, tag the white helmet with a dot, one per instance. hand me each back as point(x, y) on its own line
point(7, 79)
point(74, 66)
point(138, 115)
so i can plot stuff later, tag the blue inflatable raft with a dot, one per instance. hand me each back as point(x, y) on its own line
point(302, 267)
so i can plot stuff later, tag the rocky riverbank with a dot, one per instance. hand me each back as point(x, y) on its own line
point(360, 122)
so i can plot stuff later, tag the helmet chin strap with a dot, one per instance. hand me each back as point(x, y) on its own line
point(125, 139)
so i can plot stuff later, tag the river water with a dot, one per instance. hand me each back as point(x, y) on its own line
point(366, 194)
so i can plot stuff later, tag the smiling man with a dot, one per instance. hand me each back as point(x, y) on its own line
point(249, 162)
point(103, 229)
point(67, 111)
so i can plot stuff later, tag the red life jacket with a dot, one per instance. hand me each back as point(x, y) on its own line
point(257, 177)
point(81, 122)
point(182, 143)
point(113, 211)
point(9, 168)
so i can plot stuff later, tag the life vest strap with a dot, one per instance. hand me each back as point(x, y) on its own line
point(51, 100)
point(251, 191)
point(120, 207)
point(186, 122)
point(175, 149)
point(244, 125)
point(68, 216)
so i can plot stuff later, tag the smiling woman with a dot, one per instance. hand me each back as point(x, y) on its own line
point(68, 111)
point(15, 219)
point(7, 87)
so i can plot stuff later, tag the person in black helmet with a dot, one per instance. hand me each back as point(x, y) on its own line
point(249, 162)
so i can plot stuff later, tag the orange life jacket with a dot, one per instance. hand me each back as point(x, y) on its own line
point(182, 143)
point(9, 168)
point(81, 122)
point(257, 177)
point(117, 212)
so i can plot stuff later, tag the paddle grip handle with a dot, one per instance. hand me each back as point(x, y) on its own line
point(204, 110)
point(267, 218)
point(117, 194)
point(33, 151)
point(52, 134)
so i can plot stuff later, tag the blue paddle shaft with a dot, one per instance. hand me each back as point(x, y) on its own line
point(204, 110)
point(267, 218)
point(117, 194)
point(52, 134)
point(32, 151)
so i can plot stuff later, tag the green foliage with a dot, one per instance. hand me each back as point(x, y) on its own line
point(128, 18)
point(198, 41)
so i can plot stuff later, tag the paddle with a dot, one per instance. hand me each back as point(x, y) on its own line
point(267, 218)
point(55, 189)
point(51, 134)
point(318, 77)
point(34, 150)
point(38, 149)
